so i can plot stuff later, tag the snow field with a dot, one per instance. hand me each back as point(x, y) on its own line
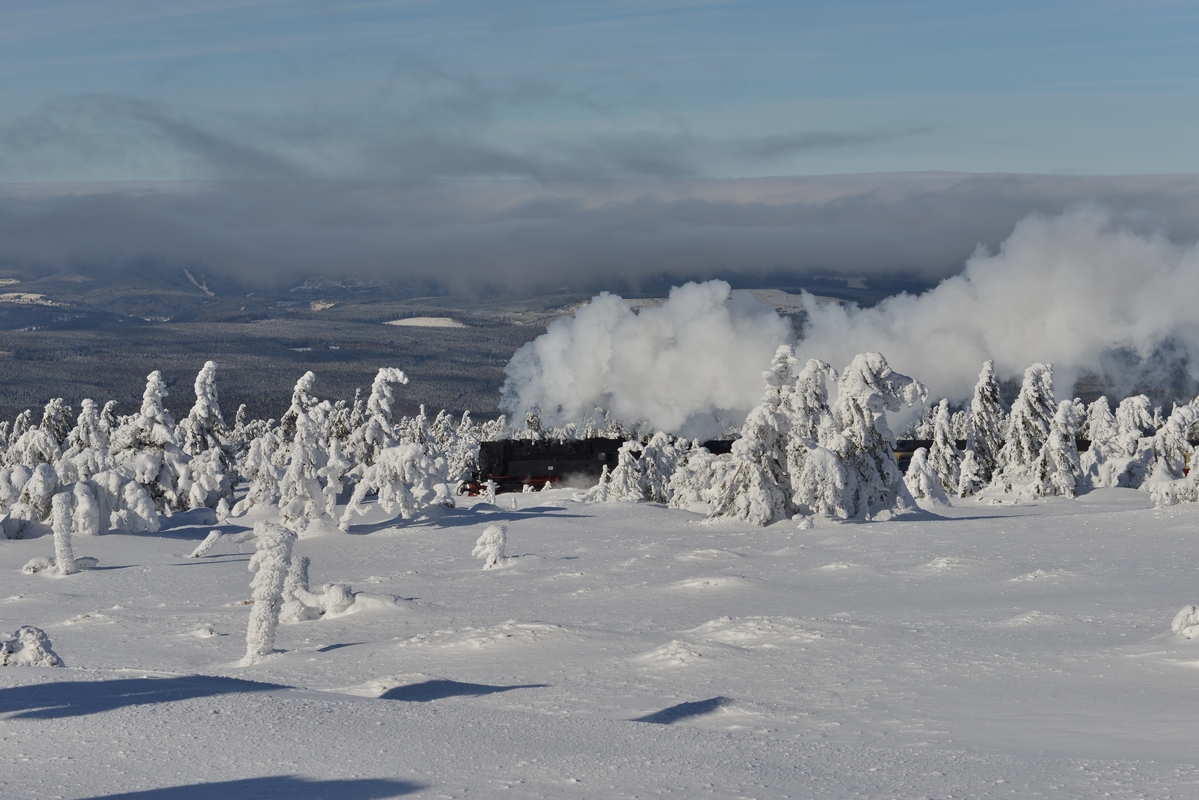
point(1002, 651)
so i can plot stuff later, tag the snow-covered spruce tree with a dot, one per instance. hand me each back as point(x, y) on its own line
point(109, 420)
point(923, 481)
point(22, 423)
point(270, 564)
point(970, 479)
point(33, 447)
point(819, 480)
point(659, 458)
point(339, 422)
point(377, 431)
point(301, 496)
point(1058, 471)
point(532, 430)
point(809, 417)
point(920, 428)
point(212, 471)
point(463, 457)
point(625, 480)
point(87, 444)
point(405, 480)
point(1167, 482)
point(138, 512)
point(1134, 421)
point(825, 486)
point(37, 494)
point(757, 487)
point(988, 424)
point(260, 470)
point(1104, 460)
point(333, 475)
point(490, 546)
point(302, 399)
point(943, 456)
point(443, 430)
point(494, 429)
point(959, 425)
point(415, 430)
point(1028, 430)
point(29, 647)
point(56, 420)
point(145, 445)
point(204, 427)
point(866, 390)
point(86, 517)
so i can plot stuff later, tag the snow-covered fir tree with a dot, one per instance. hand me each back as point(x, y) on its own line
point(463, 456)
point(970, 479)
point(145, 445)
point(303, 399)
point(757, 487)
point(377, 430)
point(1104, 460)
point(56, 420)
point(988, 424)
point(924, 482)
point(943, 456)
point(867, 389)
point(624, 483)
point(301, 496)
point(1028, 431)
point(1058, 471)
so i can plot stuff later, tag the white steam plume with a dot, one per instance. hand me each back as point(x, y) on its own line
point(1070, 290)
point(682, 366)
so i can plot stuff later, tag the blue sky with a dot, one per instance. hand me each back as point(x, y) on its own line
point(125, 90)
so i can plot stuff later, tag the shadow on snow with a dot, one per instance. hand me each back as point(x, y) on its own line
point(673, 714)
point(462, 517)
point(285, 787)
point(442, 688)
point(80, 698)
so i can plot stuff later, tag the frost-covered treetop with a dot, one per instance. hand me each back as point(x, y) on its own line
point(381, 399)
point(870, 380)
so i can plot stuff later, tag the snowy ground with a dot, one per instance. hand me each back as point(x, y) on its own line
point(626, 651)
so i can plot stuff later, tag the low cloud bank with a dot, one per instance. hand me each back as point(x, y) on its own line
point(529, 236)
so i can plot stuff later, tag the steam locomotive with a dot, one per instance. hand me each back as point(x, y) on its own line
point(512, 464)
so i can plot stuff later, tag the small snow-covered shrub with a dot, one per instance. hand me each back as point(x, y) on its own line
point(490, 546)
point(270, 564)
point(923, 481)
point(1186, 622)
point(29, 647)
point(301, 603)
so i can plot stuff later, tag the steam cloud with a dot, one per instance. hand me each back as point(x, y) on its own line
point(1091, 291)
point(682, 367)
